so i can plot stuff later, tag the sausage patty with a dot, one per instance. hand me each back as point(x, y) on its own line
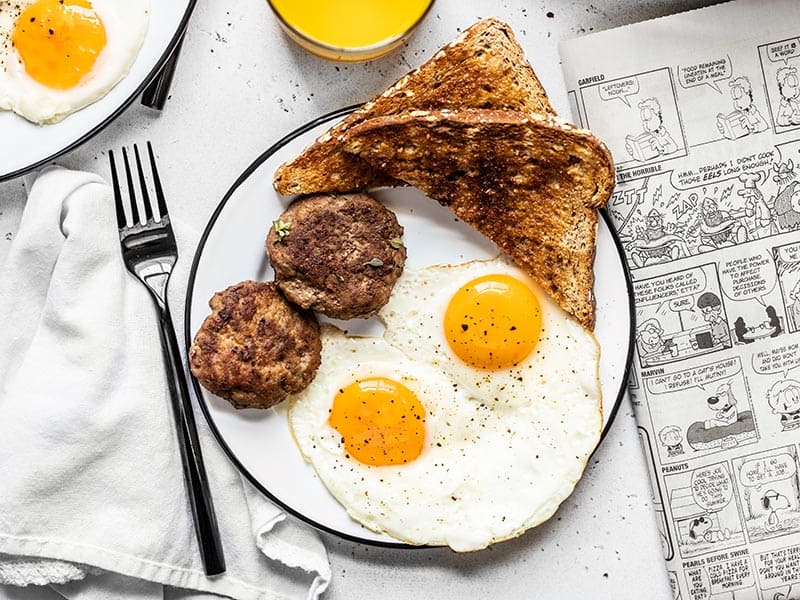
point(338, 255)
point(255, 347)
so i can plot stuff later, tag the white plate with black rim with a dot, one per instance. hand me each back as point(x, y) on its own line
point(232, 249)
point(25, 146)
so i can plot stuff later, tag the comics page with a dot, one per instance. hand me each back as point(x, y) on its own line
point(701, 112)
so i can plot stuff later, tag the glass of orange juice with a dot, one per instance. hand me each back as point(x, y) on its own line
point(350, 30)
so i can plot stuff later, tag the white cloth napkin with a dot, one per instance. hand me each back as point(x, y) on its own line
point(91, 486)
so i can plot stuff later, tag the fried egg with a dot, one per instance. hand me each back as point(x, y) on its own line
point(408, 452)
point(58, 56)
point(492, 329)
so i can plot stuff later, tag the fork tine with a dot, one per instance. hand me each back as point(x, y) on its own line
point(162, 203)
point(148, 210)
point(122, 222)
point(132, 194)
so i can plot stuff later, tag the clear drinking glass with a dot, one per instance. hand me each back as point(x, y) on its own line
point(350, 30)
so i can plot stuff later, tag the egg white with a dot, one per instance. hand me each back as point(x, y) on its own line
point(563, 366)
point(125, 24)
point(487, 471)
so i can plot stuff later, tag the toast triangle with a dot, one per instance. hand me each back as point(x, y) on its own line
point(483, 68)
point(529, 183)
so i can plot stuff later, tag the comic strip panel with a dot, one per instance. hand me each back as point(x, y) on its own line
point(704, 510)
point(769, 487)
point(753, 298)
point(575, 108)
point(787, 261)
point(648, 222)
point(713, 401)
point(722, 577)
point(661, 219)
point(779, 190)
point(719, 103)
point(779, 573)
point(633, 381)
point(658, 501)
point(674, 586)
point(680, 315)
point(782, 384)
point(646, 104)
point(780, 61)
point(659, 224)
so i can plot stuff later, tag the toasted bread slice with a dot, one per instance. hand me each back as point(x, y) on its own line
point(531, 184)
point(483, 68)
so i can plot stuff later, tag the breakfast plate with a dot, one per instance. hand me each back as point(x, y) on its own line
point(231, 250)
point(34, 145)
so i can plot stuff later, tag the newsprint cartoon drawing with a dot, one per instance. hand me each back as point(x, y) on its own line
point(705, 134)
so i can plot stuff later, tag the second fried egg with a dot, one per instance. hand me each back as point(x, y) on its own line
point(409, 453)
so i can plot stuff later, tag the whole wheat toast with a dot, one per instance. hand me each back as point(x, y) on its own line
point(483, 68)
point(529, 183)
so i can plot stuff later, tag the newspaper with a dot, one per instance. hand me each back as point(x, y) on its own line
point(701, 112)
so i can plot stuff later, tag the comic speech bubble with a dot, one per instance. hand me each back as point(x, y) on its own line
point(790, 253)
point(748, 277)
point(761, 471)
point(729, 575)
point(659, 289)
point(778, 567)
point(620, 89)
point(777, 360)
point(698, 377)
point(706, 73)
point(679, 304)
point(716, 170)
point(784, 152)
point(712, 487)
point(699, 586)
point(783, 51)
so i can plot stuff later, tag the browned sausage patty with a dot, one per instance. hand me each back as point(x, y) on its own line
point(255, 347)
point(339, 255)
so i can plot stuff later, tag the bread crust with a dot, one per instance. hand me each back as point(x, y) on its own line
point(484, 67)
point(531, 184)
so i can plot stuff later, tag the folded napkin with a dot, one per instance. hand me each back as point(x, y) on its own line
point(91, 486)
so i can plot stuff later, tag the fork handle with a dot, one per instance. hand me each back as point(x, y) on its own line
point(205, 521)
point(156, 92)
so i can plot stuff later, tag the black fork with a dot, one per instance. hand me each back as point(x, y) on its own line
point(149, 252)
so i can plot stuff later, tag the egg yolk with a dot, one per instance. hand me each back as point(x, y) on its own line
point(493, 322)
point(381, 421)
point(59, 41)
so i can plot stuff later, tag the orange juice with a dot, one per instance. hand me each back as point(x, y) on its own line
point(349, 29)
